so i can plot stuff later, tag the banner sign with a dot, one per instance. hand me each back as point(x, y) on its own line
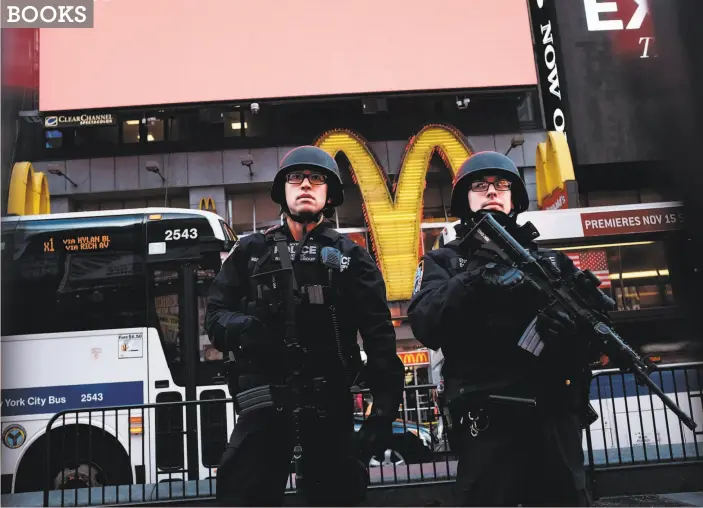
point(52, 399)
point(548, 58)
point(632, 221)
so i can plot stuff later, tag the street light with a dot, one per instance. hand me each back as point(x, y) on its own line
point(55, 169)
point(153, 167)
point(518, 140)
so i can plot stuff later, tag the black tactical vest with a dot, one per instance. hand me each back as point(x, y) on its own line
point(320, 318)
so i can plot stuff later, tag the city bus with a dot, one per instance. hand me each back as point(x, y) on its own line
point(104, 309)
point(641, 256)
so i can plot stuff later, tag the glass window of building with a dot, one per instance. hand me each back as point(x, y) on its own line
point(234, 124)
point(54, 138)
point(154, 130)
point(106, 136)
point(635, 275)
point(130, 131)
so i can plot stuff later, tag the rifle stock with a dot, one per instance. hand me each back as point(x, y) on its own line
point(575, 296)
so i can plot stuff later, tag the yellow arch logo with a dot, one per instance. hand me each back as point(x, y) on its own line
point(554, 168)
point(207, 204)
point(394, 220)
point(28, 192)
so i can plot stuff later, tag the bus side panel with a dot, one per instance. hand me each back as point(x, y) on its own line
point(47, 373)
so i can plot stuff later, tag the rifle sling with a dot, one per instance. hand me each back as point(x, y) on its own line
point(286, 263)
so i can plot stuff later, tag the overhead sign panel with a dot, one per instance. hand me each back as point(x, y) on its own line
point(183, 51)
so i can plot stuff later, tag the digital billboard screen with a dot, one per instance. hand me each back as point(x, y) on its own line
point(158, 52)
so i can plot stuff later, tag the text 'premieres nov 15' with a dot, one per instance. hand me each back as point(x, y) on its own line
point(47, 14)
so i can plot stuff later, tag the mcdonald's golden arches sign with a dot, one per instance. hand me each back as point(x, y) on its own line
point(29, 191)
point(419, 357)
point(207, 204)
point(393, 216)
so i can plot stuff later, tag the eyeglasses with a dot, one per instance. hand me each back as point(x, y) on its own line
point(297, 177)
point(482, 185)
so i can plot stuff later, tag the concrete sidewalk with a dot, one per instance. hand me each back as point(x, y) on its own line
point(676, 499)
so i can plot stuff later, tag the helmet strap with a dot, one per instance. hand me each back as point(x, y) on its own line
point(305, 218)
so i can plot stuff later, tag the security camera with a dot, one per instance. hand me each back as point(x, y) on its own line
point(462, 103)
point(254, 107)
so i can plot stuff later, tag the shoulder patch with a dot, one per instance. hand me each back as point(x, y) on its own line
point(418, 276)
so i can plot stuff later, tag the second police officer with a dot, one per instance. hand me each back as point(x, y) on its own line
point(475, 308)
point(339, 290)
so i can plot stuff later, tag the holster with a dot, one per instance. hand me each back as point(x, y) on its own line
point(232, 378)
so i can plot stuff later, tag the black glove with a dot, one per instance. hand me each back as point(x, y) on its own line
point(502, 277)
point(250, 334)
point(375, 436)
point(554, 324)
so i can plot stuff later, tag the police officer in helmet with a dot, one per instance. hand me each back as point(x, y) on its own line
point(338, 290)
point(516, 419)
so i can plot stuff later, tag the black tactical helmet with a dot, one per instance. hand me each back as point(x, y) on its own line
point(476, 166)
point(314, 158)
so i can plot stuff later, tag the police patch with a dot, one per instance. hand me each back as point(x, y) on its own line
point(418, 276)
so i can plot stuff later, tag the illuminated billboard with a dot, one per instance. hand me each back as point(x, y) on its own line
point(160, 52)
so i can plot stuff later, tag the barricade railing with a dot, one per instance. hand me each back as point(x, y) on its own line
point(635, 428)
point(132, 454)
point(157, 452)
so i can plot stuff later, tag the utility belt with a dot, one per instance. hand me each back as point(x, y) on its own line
point(476, 412)
point(283, 396)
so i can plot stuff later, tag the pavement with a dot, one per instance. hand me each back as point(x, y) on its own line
point(675, 499)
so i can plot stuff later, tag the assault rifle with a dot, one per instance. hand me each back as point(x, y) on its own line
point(578, 295)
point(300, 387)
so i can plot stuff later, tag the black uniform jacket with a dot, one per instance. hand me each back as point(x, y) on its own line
point(354, 297)
point(478, 329)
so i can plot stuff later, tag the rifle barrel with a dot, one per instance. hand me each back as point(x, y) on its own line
point(644, 378)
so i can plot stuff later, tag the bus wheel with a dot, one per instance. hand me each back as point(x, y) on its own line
point(81, 477)
point(80, 457)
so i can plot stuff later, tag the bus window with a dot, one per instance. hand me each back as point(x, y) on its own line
point(208, 353)
point(63, 277)
point(167, 291)
point(229, 234)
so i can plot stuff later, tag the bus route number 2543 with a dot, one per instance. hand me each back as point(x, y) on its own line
point(181, 234)
point(91, 397)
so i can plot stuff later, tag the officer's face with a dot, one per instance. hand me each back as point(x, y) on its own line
point(490, 193)
point(306, 191)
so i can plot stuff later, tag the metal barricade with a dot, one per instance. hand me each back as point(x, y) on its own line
point(157, 453)
point(134, 454)
point(634, 427)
